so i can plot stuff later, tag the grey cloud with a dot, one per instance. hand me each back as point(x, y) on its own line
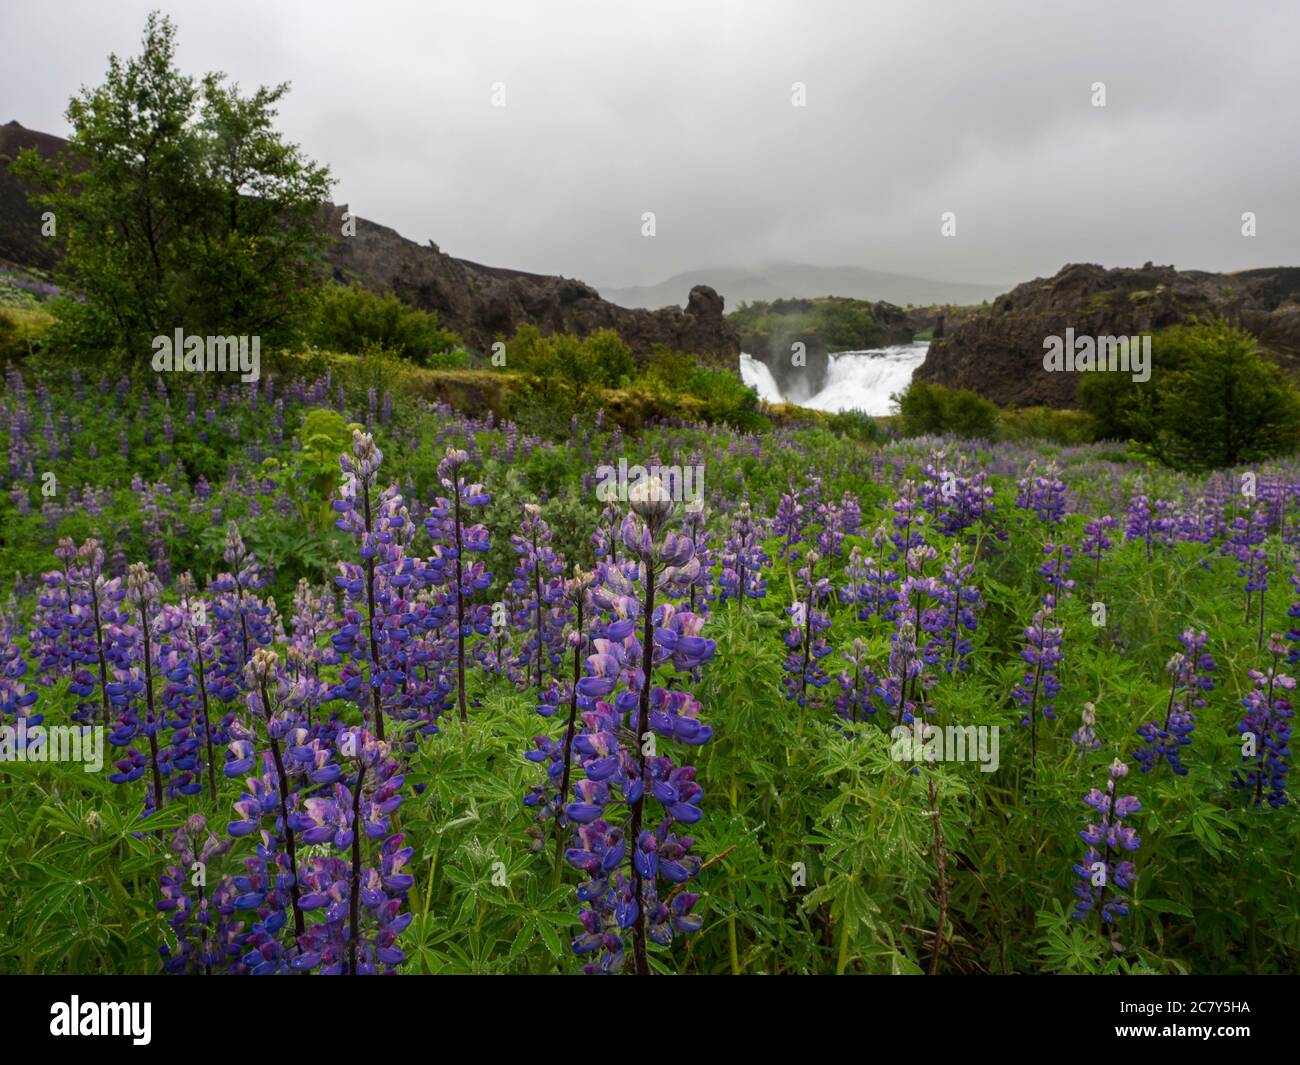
point(683, 108)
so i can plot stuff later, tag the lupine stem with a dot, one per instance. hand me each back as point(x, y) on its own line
point(299, 924)
point(568, 747)
point(460, 614)
point(354, 895)
point(643, 726)
point(149, 707)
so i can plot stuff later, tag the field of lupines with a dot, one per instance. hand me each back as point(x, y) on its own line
point(387, 689)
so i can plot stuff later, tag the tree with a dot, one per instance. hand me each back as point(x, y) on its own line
point(179, 206)
point(1212, 400)
point(1225, 404)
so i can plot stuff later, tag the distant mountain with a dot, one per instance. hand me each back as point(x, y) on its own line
point(796, 280)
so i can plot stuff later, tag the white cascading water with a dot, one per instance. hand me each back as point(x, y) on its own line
point(855, 380)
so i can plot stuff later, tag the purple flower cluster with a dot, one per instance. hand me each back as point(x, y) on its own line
point(743, 560)
point(627, 856)
point(806, 637)
point(536, 590)
point(1189, 680)
point(1037, 691)
point(1104, 873)
point(1266, 733)
point(455, 539)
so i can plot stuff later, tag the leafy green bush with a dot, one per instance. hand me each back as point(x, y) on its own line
point(1045, 423)
point(857, 426)
point(1212, 400)
point(726, 397)
point(668, 370)
point(349, 318)
point(926, 408)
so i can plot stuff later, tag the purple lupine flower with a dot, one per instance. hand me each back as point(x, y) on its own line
point(902, 690)
point(788, 524)
point(360, 905)
point(958, 599)
point(1104, 873)
point(202, 922)
point(535, 590)
point(604, 540)
point(1055, 571)
point(1246, 544)
point(131, 647)
point(1085, 736)
point(909, 526)
point(242, 617)
point(387, 620)
point(452, 538)
point(1037, 692)
point(312, 620)
point(956, 499)
point(743, 560)
point(265, 676)
point(1293, 612)
point(701, 592)
point(1189, 679)
point(1043, 493)
point(858, 685)
point(1151, 523)
point(806, 636)
point(1095, 543)
point(1266, 733)
point(871, 582)
point(621, 905)
point(16, 700)
point(557, 755)
point(78, 609)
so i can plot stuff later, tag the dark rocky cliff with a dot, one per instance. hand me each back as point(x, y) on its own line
point(998, 351)
point(484, 302)
point(479, 302)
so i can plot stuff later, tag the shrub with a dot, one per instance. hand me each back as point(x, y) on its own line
point(926, 408)
point(726, 397)
point(1212, 400)
point(349, 318)
point(1045, 423)
point(856, 426)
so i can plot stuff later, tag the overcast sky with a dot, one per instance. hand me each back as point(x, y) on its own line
point(685, 109)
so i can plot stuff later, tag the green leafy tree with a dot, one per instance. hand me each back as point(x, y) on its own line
point(179, 206)
point(1226, 404)
point(1212, 400)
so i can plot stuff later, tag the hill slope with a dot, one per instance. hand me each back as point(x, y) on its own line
point(479, 302)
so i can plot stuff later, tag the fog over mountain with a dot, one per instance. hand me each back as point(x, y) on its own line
point(687, 110)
